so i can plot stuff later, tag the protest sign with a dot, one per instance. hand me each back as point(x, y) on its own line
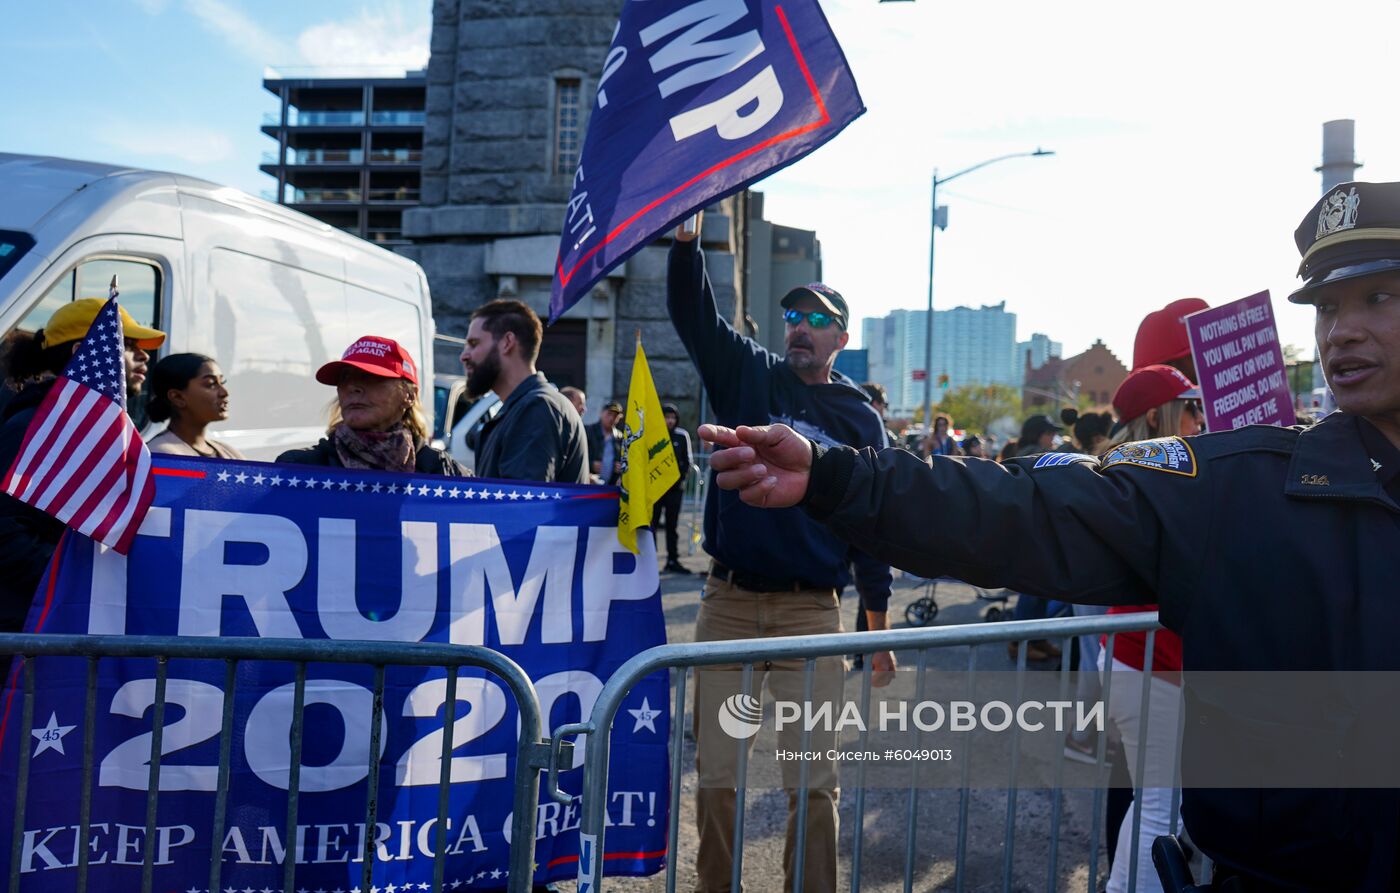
point(696, 100)
point(245, 549)
point(1239, 364)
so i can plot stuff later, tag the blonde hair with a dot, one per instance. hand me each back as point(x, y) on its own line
point(1168, 423)
point(413, 418)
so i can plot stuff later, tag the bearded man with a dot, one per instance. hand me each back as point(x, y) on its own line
point(537, 434)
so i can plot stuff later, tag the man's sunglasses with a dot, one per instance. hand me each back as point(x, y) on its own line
point(817, 319)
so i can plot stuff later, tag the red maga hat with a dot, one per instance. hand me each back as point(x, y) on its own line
point(1151, 386)
point(377, 356)
point(1161, 337)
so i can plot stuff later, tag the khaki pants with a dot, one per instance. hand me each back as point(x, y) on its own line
point(727, 612)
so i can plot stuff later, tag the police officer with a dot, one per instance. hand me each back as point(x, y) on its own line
point(1265, 548)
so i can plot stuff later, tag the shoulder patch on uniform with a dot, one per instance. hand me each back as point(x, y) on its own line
point(1171, 454)
point(1051, 460)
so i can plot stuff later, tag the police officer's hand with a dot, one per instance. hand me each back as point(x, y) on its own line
point(769, 465)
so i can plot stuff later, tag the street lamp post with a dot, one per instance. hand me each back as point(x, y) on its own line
point(936, 222)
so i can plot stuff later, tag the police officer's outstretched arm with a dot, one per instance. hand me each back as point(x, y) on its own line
point(1067, 531)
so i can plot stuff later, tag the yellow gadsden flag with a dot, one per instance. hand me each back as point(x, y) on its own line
point(649, 466)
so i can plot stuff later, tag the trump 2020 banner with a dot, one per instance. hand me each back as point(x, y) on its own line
point(534, 571)
point(696, 100)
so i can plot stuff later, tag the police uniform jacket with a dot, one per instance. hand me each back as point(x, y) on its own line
point(1265, 549)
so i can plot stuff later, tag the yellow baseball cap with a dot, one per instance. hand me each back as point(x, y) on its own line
point(71, 322)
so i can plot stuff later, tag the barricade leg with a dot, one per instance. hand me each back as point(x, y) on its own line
point(809, 850)
point(717, 765)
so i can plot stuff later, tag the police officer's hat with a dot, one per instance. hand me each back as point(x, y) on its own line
point(1354, 230)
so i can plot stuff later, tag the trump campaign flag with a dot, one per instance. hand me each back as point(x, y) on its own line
point(242, 551)
point(697, 99)
point(649, 466)
point(82, 460)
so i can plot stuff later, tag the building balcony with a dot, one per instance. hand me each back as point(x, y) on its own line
point(302, 118)
point(399, 118)
point(324, 196)
point(318, 156)
point(386, 236)
point(400, 194)
point(396, 156)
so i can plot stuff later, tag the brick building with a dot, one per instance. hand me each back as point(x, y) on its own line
point(1094, 374)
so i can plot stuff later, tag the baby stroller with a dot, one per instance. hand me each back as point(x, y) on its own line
point(998, 607)
point(923, 610)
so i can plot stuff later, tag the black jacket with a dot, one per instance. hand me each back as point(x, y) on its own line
point(680, 442)
point(27, 535)
point(428, 460)
point(594, 435)
point(748, 385)
point(1265, 549)
point(537, 436)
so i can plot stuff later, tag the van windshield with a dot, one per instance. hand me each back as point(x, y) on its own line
point(13, 246)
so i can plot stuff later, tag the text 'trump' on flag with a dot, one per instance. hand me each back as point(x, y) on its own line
point(696, 100)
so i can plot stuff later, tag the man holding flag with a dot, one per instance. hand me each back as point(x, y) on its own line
point(696, 101)
point(74, 377)
point(773, 576)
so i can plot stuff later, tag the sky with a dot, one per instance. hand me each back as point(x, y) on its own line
point(1185, 134)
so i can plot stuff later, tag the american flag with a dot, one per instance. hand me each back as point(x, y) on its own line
point(82, 460)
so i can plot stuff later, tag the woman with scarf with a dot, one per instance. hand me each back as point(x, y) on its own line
point(377, 421)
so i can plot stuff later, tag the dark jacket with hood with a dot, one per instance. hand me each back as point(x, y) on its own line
point(748, 385)
point(27, 535)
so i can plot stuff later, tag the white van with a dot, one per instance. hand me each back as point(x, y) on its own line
point(269, 293)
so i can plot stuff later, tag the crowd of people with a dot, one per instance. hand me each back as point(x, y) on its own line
point(811, 499)
point(376, 420)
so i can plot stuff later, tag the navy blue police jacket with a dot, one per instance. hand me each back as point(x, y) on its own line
point(1264, 548)
point(749, 385)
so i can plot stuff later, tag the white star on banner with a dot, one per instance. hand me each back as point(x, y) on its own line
point(345, 485)
point(51, 736)
point(375, 489)
point(513, 495)
point(359, 486)
point(258, 479)
point(645, 717)
point(438, 491)
point(240, 477)
point(423, 490)
point(500, 494)
point(327, 484)
point(454, 493)
point(224, 476)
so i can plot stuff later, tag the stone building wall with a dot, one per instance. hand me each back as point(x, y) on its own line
point(493, 209)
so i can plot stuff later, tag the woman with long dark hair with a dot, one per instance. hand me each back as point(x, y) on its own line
point(188, 389)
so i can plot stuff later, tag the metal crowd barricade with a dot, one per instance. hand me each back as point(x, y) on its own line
point(532, 753)
point(752, 652)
